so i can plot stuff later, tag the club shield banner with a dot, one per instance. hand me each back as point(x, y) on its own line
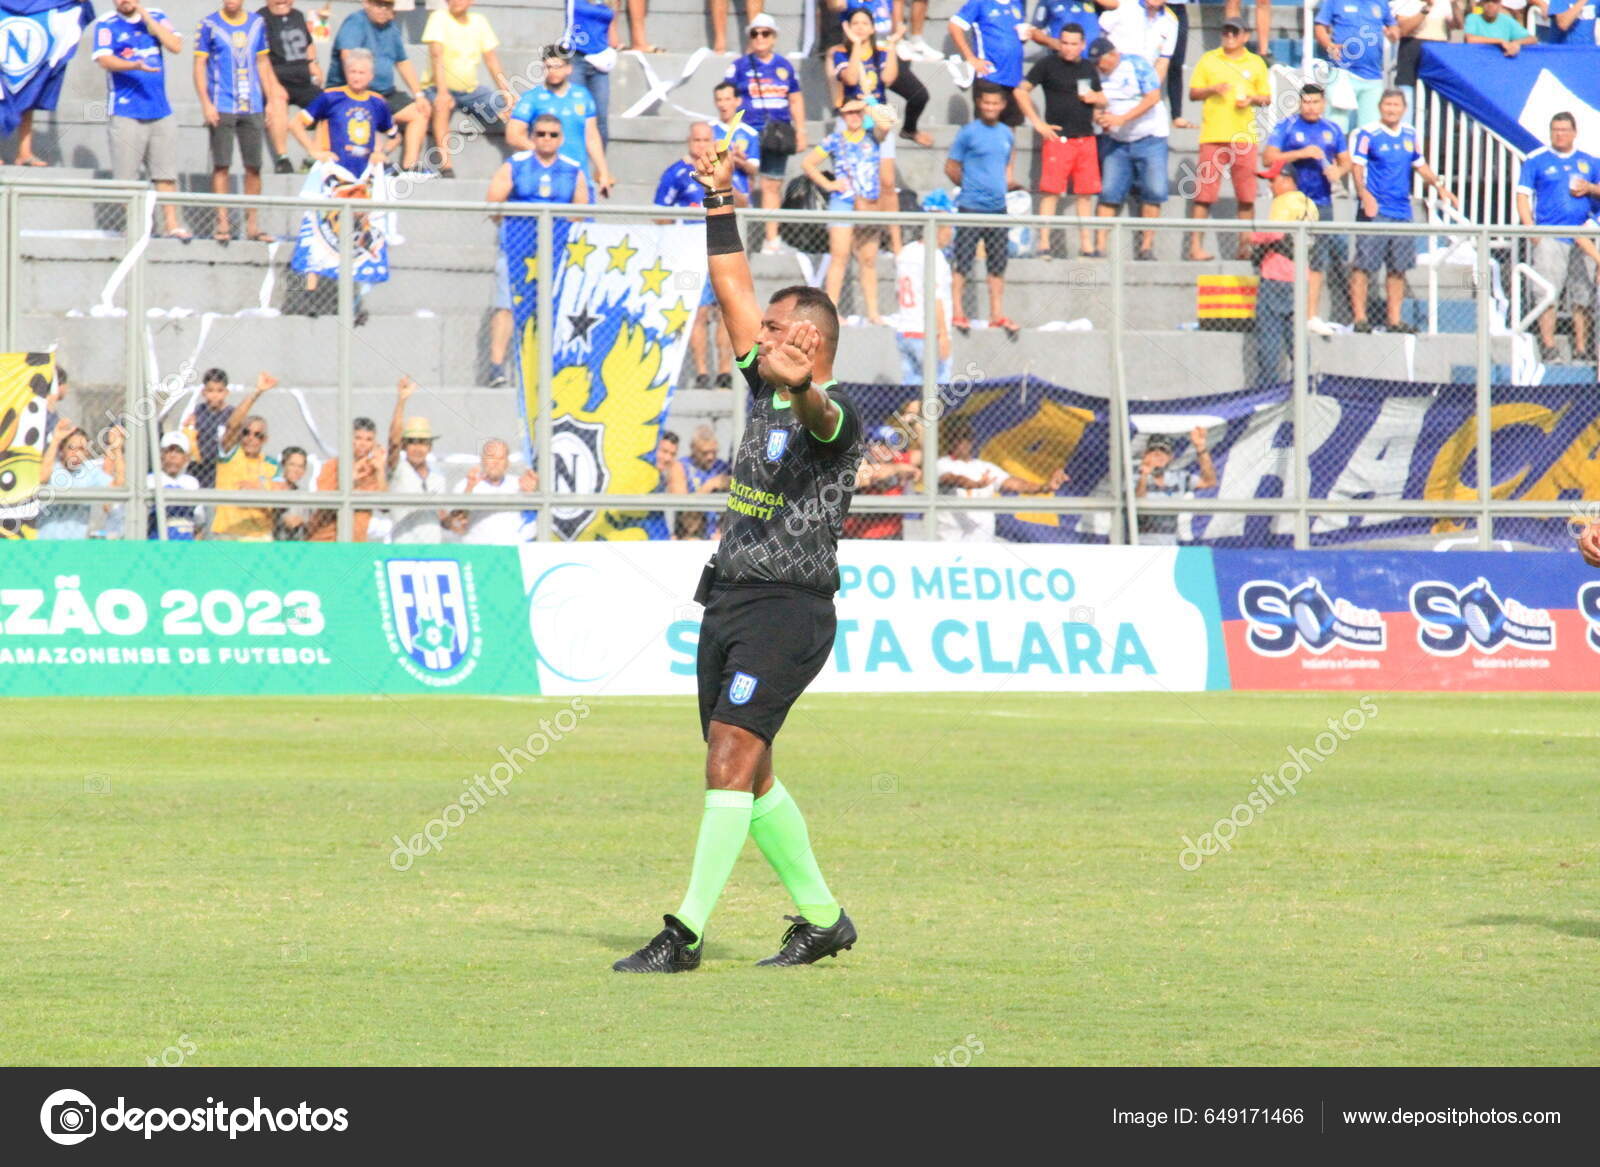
point(1457, 622)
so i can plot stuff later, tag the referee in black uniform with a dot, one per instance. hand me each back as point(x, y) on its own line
point(768, 594)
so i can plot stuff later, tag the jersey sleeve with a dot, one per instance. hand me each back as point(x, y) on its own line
point(967, 13)
point(747, 366)
point(434, 30)
point(958, 148)
point(202, 40)
point(1279, 136)
point(1200, 75)
point(1526, 177)
point(102, 40)
point(1325, 13)
point(488, 42)
point(319, 109)
point(1035, 74)
point(666, 189)
point(752, 143)
point(794, 76)
point(1360, 145)
point(837, 60)
point(525, 110)
point(848, 431)
point(382, 119)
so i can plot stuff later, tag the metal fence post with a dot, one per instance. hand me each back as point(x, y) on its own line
point(1125, 520)
point(347, 323)
point(10, 244)
point(138, 419)
point(544, 332)
point(930, 374)
point(1480, 274)
point(1302, 381)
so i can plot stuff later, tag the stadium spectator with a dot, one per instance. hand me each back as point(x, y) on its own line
point(637, 41)
point(719, 21)
point(886, 469)
point(1151, 477)
point(1150, 29)
point(1416, 22)
point(490, 476)
point(981, 163)
point(859, 70)
point(1518, 10)
point(1351, 33)
point(887, 35)
point(851, 155)
point(1272, 337)
point(915, 47)
point(706, 472)
point(1232, 10)
point(962, 473)
point(769, 90)
point(1384, 157)
point(369, 472)
point(679, 188)
point(246, 466)
point(573, 106)
point(374, 29)
point(182, 521)
point(1232, 83)
point(669, 480)
point(291, 524)
point(360, 127)
point(539, 175)
point(1572, 22)
point(233, 78)
point(911, 321)
point(1319, 153)
point(1558, 187)
point(293, 55)
point(128, 44)
point(1051, 17)
point(592, 40)
point(64, 466)
point(690, 526)
point(989, 35)
point(1493, 25)
point(746, 144)
point(207, 423)
point(1070, 156)
point(1133, 141)
point(413, 473)
point(459, 42)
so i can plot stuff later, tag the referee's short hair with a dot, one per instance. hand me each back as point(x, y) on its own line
point(813, 304)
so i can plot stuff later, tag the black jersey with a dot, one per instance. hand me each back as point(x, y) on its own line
point(789, 495)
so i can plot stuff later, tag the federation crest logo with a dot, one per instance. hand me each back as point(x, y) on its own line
point(777, 443)
point(430, 618)
point(742, 688)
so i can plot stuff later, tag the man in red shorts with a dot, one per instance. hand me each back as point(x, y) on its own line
point(1232, 81)
point(1071, 160)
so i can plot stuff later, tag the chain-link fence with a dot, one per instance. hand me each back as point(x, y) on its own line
point(368, 351)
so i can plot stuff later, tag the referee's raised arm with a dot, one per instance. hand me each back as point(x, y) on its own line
point(729, 269)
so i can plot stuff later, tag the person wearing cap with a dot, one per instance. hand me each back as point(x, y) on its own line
point(989, 35)
point(1318, 152)
point(887, 469)
point(1272, 336)
point(1232, 82)
point(1133, 141)
point(1385, 156)
point(374, 29)
point(769, 88)
point(851, 154)
point(413, 473)
point(1234, 10)
point(1070, 156)
point(982, 163)
point(1351, 33)
point(1154, 476)
point(911, 320)
point(182, 521)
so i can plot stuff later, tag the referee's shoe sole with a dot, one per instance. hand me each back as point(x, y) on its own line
point(806, 943)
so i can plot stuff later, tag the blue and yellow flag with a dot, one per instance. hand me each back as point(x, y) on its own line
point(623, 300)
point(25, 383)
point(37, 39)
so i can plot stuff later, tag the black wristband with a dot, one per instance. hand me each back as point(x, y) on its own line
point(722, 235)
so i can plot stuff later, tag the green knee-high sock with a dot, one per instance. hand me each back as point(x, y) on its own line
point(779, 829)
point(723, 829)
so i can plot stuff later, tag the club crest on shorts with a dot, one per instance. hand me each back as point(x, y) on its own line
point(742, 688)
point(777, 443)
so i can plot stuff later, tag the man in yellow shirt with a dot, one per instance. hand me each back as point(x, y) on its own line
point(458, 40)
point(1232, 81)
point(246, 467)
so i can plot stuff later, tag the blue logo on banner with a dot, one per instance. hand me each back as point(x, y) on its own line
point(777, 443)
point(1449, 616)
point(742, 688)
point(1280, 618)
point(431, 612)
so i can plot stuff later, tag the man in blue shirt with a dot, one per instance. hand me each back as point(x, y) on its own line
point(1351, 33)
point(769, 90)
point(128, 45)
point(574, 107)
point(540, 175)
point(988, 35)
point(374, 29)
point(1385, 155)
point(1051, 16)
point(980, 163)
point(1558, 187)
point(679, 188)
point(233, 75)
point(1572, 22)
point(1317, 152)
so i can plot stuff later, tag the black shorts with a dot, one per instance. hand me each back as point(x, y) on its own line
point(759, 649)
point(398, 100)
point(301, 93)
point(965, 249)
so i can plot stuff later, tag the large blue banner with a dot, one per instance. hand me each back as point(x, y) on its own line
point(37, 39)
point(1517, 96)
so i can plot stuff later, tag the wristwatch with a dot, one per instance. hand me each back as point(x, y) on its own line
point(719, 198)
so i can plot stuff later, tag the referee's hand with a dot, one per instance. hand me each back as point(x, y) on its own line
point(788, 362)
point(713, 167)
point(1589, 544)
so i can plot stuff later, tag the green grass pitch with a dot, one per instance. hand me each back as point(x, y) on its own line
point(218, 872)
